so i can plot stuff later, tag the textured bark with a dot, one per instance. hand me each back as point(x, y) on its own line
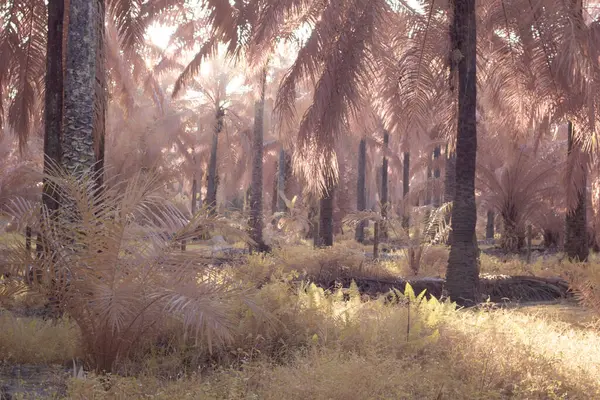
point(383, 234)
point(274, 187)
point(361, 194)
point(376, 236)
point(100, 94)
point(437, 201)
point(211, 184)
point(449, 185)
point(256, 211)
point(54, 99)
point(489, 227)
point(406, 189)
point(462, 276)
point(282, 180)
point(449, 177)
point(195, 190)
point(80, 86)
point(326, 217)
point(576, 243)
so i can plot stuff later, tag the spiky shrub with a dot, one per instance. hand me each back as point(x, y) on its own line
point(429, 227)
point(517, 190)
point(111, 261)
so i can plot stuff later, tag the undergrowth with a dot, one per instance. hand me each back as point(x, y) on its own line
point(331, 348)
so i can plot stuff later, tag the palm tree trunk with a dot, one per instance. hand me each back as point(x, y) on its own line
point(489, 227)
point(211, 184)
point(436, 176)
point(361, 194)
point(326, 216)
point(256, 212)
point(281, 180)
point(462, 276)
point(80, 87)
point(449, 185)
point(274, 194)
point(384, 186)
point(576, 243)
point(100, 94)
point(54, 98)
point(406, 189)
point(53, 110)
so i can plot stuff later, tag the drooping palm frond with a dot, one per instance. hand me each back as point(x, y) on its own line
point(23, 65)
point(112, 262)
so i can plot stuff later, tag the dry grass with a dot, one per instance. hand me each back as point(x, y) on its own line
point(347, 350)
point(322, 345)
point(35, 341)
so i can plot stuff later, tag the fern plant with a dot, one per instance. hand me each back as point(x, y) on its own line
point(112, 263)
point(429, 227)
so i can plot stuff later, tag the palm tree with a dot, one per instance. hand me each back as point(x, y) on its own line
point(54, 97)
point(80, 87)
point(361, 200)
point(576, 241)
point(462, 276)
point(256, 212)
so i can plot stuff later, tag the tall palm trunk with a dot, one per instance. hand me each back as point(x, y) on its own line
point(489, 227)
point(576, 243)
point(383, 233)
point(256, 194)
point(281, 180)
point(80, 87)
point(436, 176)
point(449, 185)
point(100, 94)
point(576, 240)
point(275, 188)
point(211, 184)
point(406, 189)
point(462, 276)
point(326, 216)
point(53, 110)
point(54, 98)
point(361, 194)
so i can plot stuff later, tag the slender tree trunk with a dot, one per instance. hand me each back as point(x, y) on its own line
point(489, 227)
point(281, 180)
point(54, 99)
point(80, 88)
point(376, 236)
point(528, 244)
point(436, 177)
point(256, 212)
point(428, 187)
point(326, 217)
point(462, 276)
point(274, 194)
point(576, 243)
point(449, 185)
point(384, 186)
point(194, 203)
point(53, 110)
point(212, 181)
point(406, 189)
point(361, 194)
point(100, 94)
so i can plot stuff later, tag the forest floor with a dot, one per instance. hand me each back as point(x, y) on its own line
point(329, 345)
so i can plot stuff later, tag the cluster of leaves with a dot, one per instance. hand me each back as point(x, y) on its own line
point(111, 260)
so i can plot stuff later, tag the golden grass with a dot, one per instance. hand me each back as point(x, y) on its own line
point(35, 341)
point(353, 350)
point(320, 345)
